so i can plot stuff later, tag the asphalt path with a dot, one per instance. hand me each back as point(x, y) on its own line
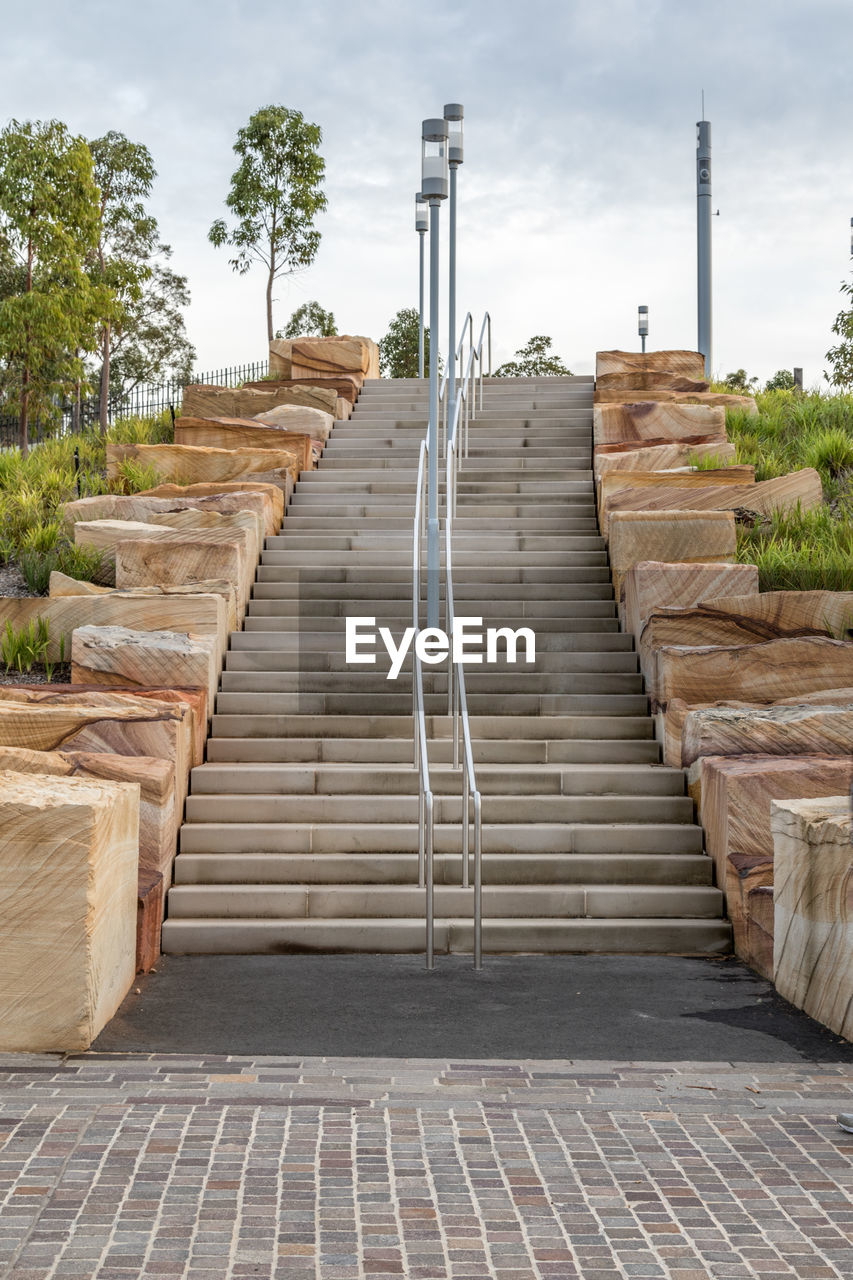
point(609, 1008)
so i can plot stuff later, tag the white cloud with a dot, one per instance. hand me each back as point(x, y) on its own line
point(577, 195)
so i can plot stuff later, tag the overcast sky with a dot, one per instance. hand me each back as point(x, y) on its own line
point(577, 196)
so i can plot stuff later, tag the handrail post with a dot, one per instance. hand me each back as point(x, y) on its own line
point(430, 883)
point(478, 881)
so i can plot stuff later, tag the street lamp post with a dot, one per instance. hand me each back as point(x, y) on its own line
point(453, 114)
point(643, 325)
point(434, 186)
point(421, 226)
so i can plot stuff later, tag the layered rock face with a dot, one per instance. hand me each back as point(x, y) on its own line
point(68, 887)
point(813, 908)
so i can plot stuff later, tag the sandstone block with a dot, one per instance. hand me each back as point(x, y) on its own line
point(657, 422)
point(744, 404)
point(191, 705)
point(745, 874)
point(150, 909)
point(158, 812)
point(690, 364)
point(62, 586)
point(240, 402)
point(684, 537)
point(345, 385)
point(736, 796)
point(199, 613)
point(104, 535)
point(745, 619)
point(178, 462)
point(68, 883)
point(693, 492)
point(659, 457)
point(759, 930)
point(280, 360)
point(119, 656)
point(184, 558)
point(271, 494)
point(328, 356)
point(645, 490)
point(650, 380)
point(287, 417)
point(651, 585)
point(246, 433)
point(759, 673)
point(813, 908)
point(772, 730)
point(145, 509)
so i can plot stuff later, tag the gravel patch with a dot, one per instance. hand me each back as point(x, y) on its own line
point(12, 582)
point(61, 674)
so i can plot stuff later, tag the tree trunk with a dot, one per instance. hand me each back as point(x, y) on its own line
point(269, 304)
point(24, 414)
point(105, 380)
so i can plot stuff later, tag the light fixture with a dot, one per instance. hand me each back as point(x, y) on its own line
point(453, 113)
point(434, 181)
point(643, 324)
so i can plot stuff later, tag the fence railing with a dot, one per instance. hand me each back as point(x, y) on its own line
point(143, 401)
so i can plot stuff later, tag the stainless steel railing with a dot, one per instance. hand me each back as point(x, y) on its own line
point(456, 447)
point(426, 825)
point(455, 431)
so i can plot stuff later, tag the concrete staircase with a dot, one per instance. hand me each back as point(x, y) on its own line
point(301, 828)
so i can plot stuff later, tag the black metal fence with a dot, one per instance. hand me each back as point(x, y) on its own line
point(143, 401)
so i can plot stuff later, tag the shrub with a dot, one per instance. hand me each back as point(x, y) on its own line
point(20, 650)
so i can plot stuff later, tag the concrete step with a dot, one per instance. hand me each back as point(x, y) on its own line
point(374, 680)
point(493, 780)
point(622, 869)
point(487, 727)
point(348, 901)
point(552, 636)
point(399, 750)
point(513, 839)
point(502, 609)
point(547, 936)
point(620, 658)
point(249, 810)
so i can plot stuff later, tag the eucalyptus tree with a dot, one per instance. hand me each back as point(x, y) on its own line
point(534, 360)
point(49, 225)
point(275, 196)
point(398, 350)
point(309, 321)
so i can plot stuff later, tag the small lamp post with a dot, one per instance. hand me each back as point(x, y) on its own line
point(421, 226)
point(453, 114)
point(643, 324)
point(434, 186)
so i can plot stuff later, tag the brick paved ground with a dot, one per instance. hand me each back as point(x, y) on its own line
point(206, 1168)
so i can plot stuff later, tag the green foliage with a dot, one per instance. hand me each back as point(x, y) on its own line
point(275, 196)
point(34, 488)
point(801, 551)
point(708, 461)
point(398, 350)
point(534, 360)
point(739, 383)
point(309, 321)
point(840, 356)
point(793, 430)
point(782, 380)
point(48, 230)
point(145, 339)
point(157, 429)
point(22, 649)
point(133, 477)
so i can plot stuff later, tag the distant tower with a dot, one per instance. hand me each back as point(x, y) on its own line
point(703, 240)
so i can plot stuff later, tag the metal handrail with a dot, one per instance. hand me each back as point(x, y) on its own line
point(458, 711)
point(443, 398)
point(426, 825)
point(457, 699)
